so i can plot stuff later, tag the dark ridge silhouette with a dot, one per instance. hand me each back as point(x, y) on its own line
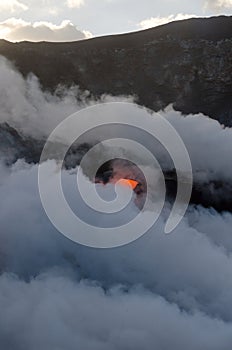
point(187, 63)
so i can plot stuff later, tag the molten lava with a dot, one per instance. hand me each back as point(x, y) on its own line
point(129, 182)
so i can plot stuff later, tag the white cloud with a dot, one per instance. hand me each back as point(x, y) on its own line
point(157, 21)
point(12, 6)
point(74, 3)
point(218, 4)
point(14, 29)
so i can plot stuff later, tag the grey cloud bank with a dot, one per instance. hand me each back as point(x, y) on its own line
point(169, 291)
point(164, 292)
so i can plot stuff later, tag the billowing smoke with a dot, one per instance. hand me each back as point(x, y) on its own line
point(55, 291)
point(33, 112)
point(161, 291)
point(36, 113)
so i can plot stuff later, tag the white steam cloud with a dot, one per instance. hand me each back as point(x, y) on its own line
point(159, 291)
point(162, 292)
point(30, 110)
point(36, 113)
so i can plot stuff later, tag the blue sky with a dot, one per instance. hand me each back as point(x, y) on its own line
point(38, 20)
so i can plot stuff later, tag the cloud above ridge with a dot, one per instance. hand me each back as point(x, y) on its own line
point(157, 21)
point(14, 29)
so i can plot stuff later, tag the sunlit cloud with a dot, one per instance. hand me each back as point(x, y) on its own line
point(74, 3)
point(157, 21)
point(15, 29)
point(12, 6)
point(218, 4)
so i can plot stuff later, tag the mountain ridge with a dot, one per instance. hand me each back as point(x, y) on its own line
point(185, 63)
point(182, 29)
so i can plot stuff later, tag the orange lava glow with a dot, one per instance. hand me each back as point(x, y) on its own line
point(128, 182)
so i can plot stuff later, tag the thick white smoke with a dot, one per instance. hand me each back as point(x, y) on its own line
point(36, 113)
point(160, 290)
point(164, 292)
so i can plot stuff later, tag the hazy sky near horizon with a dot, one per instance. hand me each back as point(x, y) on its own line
point(63, 20)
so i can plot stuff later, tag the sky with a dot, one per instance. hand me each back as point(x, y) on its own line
point(68, 20)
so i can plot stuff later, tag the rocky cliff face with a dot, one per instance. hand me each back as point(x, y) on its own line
point(15, 146)
point(187, 63)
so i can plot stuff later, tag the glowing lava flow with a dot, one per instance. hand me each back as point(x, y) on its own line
point(128, 182)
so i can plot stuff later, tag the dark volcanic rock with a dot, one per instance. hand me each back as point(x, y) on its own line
point(15, 146)
point(187, 63)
